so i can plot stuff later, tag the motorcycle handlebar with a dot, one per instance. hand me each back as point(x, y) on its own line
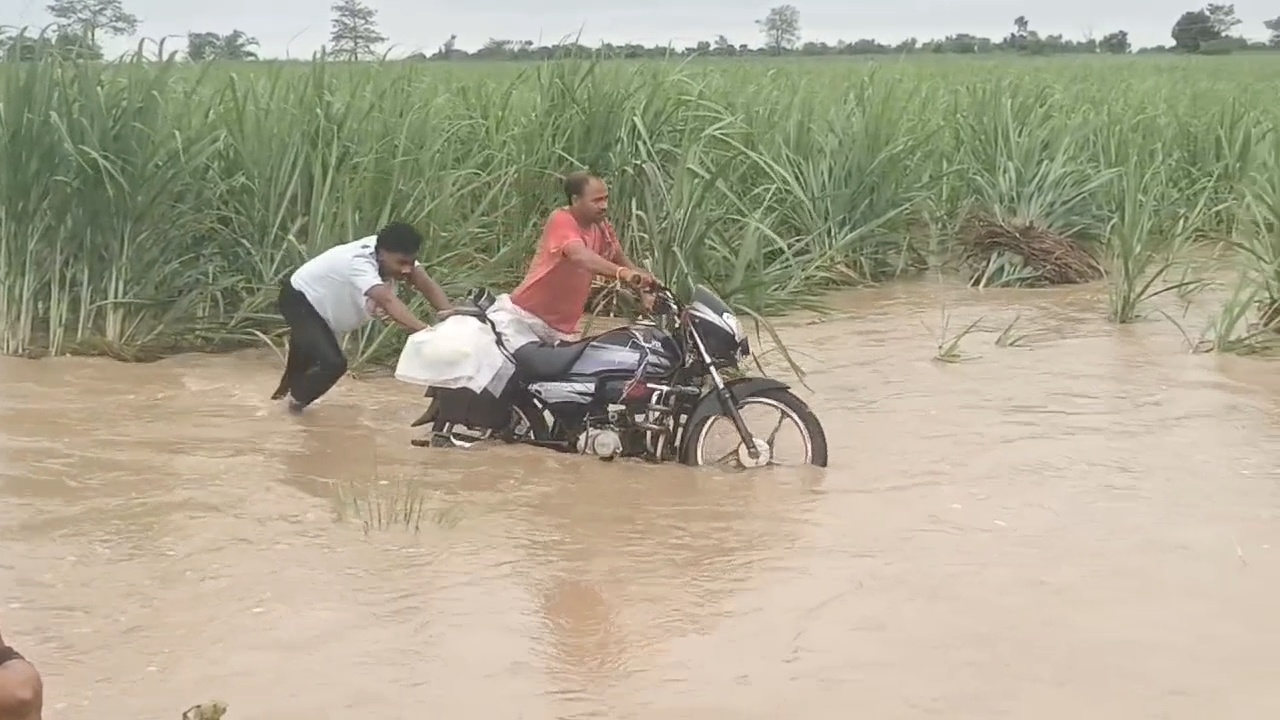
point(665, 301)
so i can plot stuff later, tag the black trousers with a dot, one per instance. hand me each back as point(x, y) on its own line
point(315, 362)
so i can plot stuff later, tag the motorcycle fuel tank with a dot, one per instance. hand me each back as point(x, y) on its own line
point(621, 351)
point(616, 354)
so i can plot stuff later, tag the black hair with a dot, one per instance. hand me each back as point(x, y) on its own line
point(576, 183)
point(400, 238)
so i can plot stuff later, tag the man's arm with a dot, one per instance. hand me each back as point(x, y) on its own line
point(429, 289)
point(364, 274)
point(566, 238)
point(578, 252)
point(395, 307)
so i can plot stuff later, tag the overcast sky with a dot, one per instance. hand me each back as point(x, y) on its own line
point(299, 27)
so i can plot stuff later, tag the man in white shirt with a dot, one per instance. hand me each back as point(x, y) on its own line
point(340, 290)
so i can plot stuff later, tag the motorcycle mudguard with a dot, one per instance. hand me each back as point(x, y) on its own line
point(427, 416)
point(464, 407)
point(477, 410)
point(709, 404)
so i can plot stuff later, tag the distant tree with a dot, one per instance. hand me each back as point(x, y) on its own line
point(1273, 25)
point(1194, 29)
point(202, 46)
point(1021, 38)
point(88, 18)
point(76, 46)
point(236, 45)
point(493, 48)
point(781, 28)
point(450, 47)
point(1222, 17)
point(355, 32)
point(66, 44)
point(1116, 43)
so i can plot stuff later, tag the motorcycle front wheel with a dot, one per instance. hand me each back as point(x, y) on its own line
point(789, 408)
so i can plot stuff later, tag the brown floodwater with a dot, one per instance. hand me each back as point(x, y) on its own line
point(1084, 526)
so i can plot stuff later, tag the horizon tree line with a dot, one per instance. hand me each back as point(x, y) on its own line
point(355, 36)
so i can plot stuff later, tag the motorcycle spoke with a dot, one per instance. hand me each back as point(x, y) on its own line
point(774, 435)
point(727, 457)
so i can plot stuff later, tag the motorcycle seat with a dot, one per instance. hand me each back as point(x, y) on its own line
point(538, 361)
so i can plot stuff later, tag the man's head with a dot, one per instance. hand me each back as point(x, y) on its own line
point(397, 249)
point(588, 197)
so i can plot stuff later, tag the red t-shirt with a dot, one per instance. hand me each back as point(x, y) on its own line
point(556, 289)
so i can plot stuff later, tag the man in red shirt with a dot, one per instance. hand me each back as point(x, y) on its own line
point(578, 243)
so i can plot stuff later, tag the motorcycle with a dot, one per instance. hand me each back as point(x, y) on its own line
point(645, 391)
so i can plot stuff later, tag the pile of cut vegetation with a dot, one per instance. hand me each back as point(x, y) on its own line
point(1024, 253)
point(1269, 315)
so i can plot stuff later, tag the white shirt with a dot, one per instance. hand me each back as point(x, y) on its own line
point(336, 282)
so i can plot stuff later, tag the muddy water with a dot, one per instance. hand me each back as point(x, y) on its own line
point(1084, 526)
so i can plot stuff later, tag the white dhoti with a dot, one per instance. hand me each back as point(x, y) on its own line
point(463, 352)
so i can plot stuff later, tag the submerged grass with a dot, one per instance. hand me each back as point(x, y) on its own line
point(149, 207)
point(387, 505)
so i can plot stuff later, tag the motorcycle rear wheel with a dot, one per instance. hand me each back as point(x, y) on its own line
point(526, 412)
point(788, 404)
point(527, 424)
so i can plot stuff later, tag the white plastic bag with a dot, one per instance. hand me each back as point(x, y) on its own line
point(459, 352)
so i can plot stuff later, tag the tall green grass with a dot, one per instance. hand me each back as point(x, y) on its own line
point(152, 206)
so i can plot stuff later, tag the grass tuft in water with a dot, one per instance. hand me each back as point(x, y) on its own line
point(388, 505)
point(948, 348)
point(1009, 337)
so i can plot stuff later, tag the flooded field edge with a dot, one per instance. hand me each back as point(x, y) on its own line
point(1070, 517)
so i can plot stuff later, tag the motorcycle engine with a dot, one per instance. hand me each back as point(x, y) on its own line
point(603, 443)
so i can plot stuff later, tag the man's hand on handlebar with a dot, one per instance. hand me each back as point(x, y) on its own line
point(650, 290)
point(637, 278)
